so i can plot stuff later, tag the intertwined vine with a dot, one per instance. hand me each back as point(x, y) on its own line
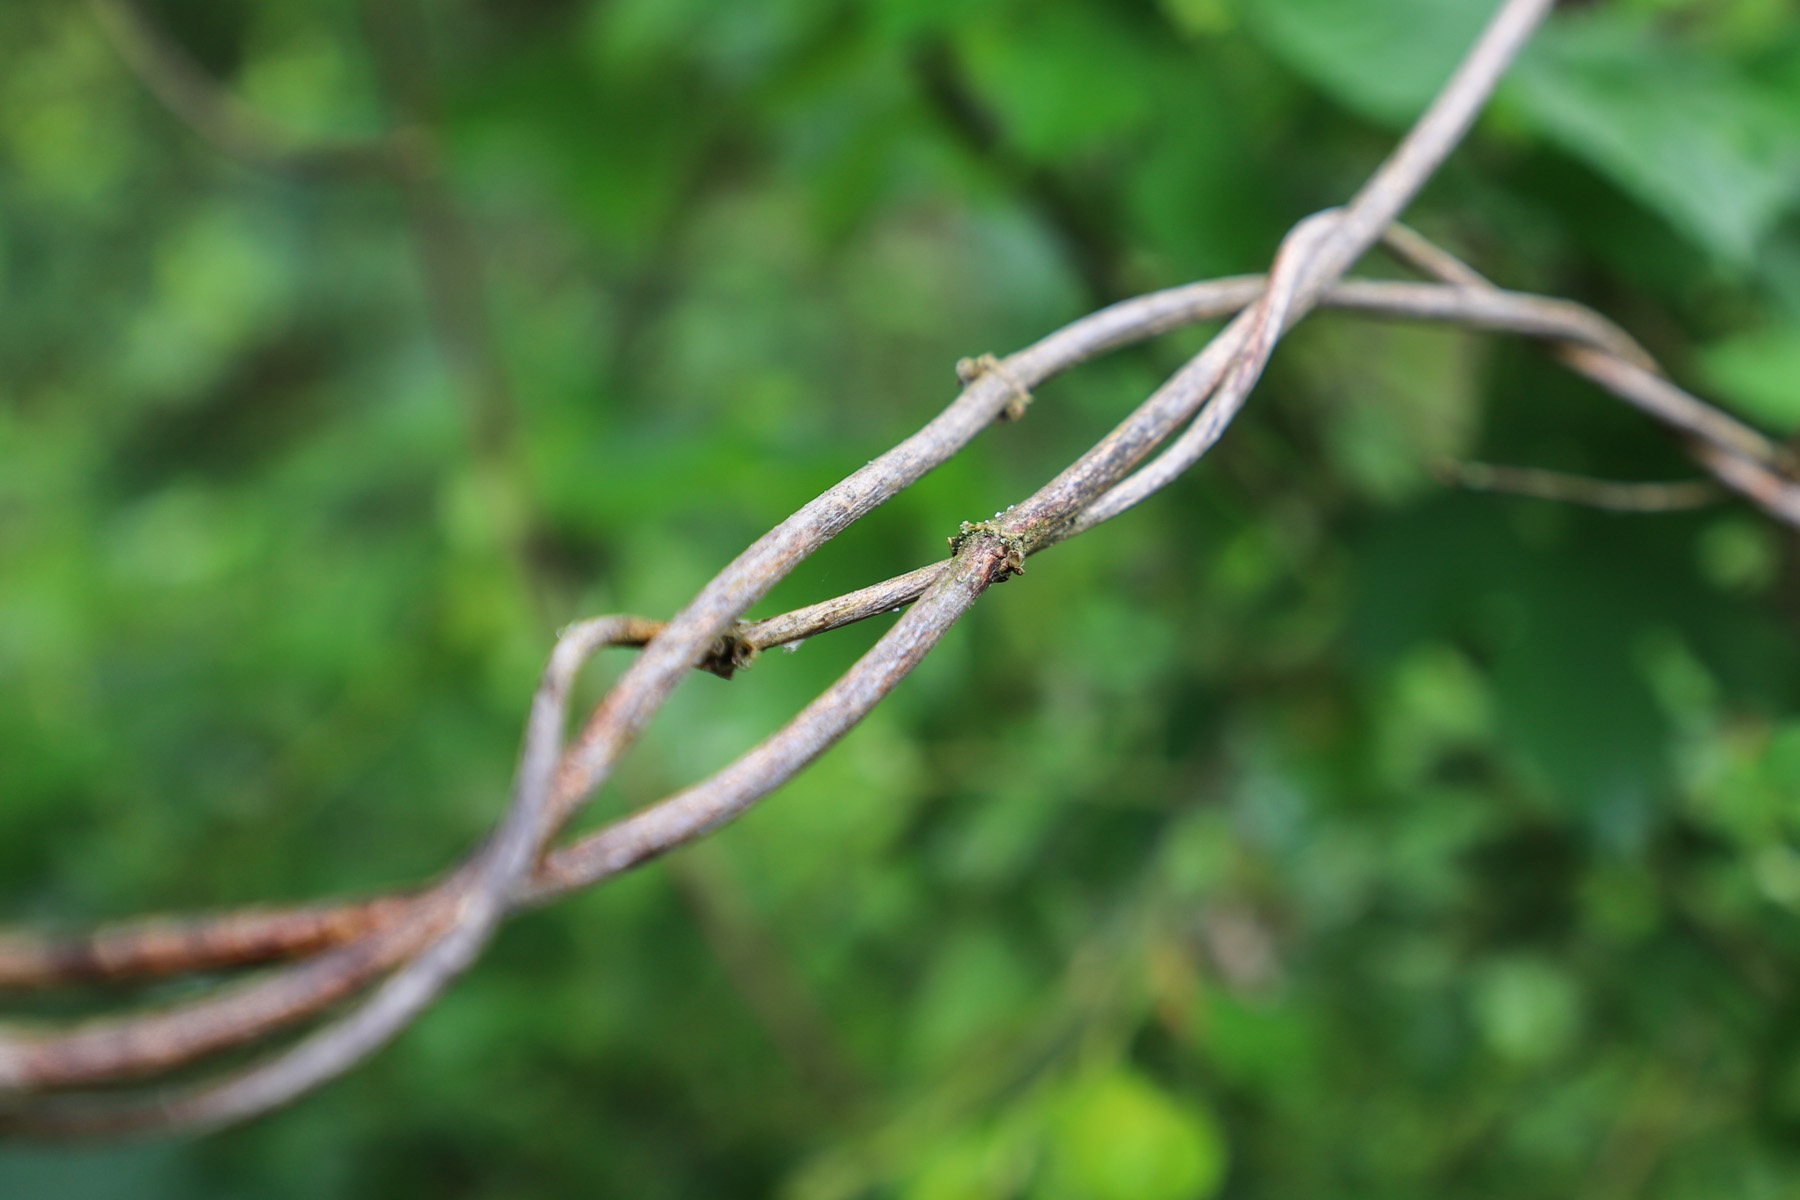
point(393, 954)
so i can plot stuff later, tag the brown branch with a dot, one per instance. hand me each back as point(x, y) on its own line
point(117, 1048)
point(992, 553)
point(1563, 488)
point(224, 1020)
point(203, 945)
point(423, 939)
point(1756, 467)
point(172, 945)
point(27, 961)
point(155, 946)
point(1649, 391)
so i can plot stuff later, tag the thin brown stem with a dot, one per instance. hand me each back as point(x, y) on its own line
point(1563, 488)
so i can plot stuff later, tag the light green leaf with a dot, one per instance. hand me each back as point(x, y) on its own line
point(1383, 59)
point(1061, 82)
point(1714, 152)
point(1686, 132)
point(977, 985)
point(1528, 1009)
point(983, 1164)
point(1758, 374)
point(1122, 1137)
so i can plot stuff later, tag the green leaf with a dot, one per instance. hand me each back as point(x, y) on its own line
point(1124, 1138)
point(1688, 133)
point(1383, 59)
point(1758, 374)
point(1528, 1010)
point(1063, 81)
point(977, 987)
point(981, 1164)
point(1705, 145)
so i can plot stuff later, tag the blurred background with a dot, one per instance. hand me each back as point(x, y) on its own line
point(1313, 830)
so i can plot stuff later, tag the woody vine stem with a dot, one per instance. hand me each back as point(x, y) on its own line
point(393, 954)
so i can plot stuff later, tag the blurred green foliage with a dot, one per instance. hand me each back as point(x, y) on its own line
point(1308, 832)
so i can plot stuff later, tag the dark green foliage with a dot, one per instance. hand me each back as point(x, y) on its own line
point(1308, 832)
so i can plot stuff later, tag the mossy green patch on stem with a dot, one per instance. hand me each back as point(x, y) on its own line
point(1012, 564)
